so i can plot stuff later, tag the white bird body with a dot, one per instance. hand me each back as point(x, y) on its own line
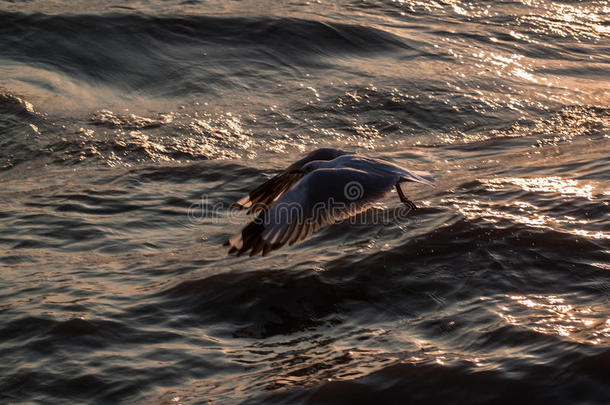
point(326, 186)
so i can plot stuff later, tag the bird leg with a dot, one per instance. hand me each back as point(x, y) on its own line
point(404, 199)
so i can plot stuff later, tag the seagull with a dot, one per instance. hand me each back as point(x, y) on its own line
point(326, 186)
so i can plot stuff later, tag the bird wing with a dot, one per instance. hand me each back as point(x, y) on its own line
point(261, 198)
point(322, 197)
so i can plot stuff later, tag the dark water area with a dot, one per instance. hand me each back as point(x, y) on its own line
point(127, 130)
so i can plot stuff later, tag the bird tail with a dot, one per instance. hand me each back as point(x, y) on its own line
point(419, 177)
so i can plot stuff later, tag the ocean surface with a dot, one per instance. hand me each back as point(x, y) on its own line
point(127, 130)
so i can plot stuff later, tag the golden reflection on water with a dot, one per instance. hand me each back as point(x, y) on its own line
point(526, 82)
point(552, 314)
point(527, 213)
point(583, 21)
point(551, 184)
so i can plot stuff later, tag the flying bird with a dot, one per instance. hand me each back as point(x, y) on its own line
point(326, 186)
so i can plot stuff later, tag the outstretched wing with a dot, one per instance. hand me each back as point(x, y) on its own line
point(264, 195)
point(322, 197)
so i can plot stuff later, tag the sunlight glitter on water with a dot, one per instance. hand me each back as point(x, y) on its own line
point(529, 213)
point(552, 184)
point(552, 314)
point(580, 22)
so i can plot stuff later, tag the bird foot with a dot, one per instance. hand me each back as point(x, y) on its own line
point(409, 203)
point(404, 198)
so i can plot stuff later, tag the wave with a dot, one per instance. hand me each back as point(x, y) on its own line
point(20, 126)
point(180, 54)
point(460, 383)
point(247, 300)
